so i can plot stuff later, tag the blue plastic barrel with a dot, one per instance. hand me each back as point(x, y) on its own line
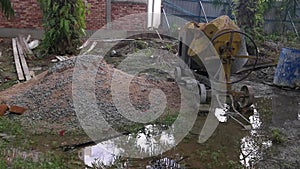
point(288, 68)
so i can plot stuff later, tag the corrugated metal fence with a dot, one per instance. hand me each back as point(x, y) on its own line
point(191, 10)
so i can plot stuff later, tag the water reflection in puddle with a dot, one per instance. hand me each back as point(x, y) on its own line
point(102, 154)
point(108, 152)
point(253, 145)
point(164, 163)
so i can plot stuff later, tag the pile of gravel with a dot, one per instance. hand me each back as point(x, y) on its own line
point(49, 101)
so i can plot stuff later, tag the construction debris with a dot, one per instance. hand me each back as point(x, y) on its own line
point(3, 109)
point(25, 46)
point(23, 62)
point(28, 38)
point(17, 60)
point(11, 109)
point(20, 61)
point(34, 44)
point(17, 109)
point(54, 60)
point(62, 58)
point(91, 48)
point(36, 69)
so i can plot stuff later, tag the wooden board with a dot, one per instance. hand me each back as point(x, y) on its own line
point(62, 58)
point(26, 50)
point(17, 60)
point(23, 61)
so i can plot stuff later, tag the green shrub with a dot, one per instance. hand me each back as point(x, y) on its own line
point(64, 24)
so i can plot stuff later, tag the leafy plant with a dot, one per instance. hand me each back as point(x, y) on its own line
point(249, 13)
point(277, 137)
point(167, 119)
point(228, 6)
point(6, 8)
point(64, 24)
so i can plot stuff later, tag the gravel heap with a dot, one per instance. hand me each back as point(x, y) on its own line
point(49, 99)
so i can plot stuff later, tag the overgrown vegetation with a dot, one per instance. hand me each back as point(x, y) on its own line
point(6, 8)
point(64, 24)
point(167, 119)
point(277, 136)
point(250, 14)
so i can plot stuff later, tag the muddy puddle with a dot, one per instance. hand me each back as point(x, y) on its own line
point(229, 147)
point(280, 112)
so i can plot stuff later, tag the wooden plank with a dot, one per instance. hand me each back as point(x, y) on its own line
point(23, 61)
point(91, 48)
point(62, 58)
point(19, 38)
point(66, 57)
point(27, 52)
point(17, 60)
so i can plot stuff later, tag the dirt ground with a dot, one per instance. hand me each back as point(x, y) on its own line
point(50, 109)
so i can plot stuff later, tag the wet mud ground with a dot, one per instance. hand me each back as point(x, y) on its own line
point(274, 142)
point(232, 147)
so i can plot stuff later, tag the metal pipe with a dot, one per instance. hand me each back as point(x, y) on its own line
point(167, 21)
point(203, 11)
point(290, 17)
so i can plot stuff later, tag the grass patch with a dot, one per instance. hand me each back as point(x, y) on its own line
point(168, 118)
point(9, 126)
point(15, 144)
point(49, 161)
point(8, 84)
point(277, 137)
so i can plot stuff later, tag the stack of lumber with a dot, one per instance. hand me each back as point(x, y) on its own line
point(21, 51)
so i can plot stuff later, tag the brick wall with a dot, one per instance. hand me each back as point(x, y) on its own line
point(97, 14)
point(129, 16)
point(29, 15)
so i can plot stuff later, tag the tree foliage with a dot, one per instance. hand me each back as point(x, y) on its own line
point(6, 8)
point(64, 24)
point(250, 13)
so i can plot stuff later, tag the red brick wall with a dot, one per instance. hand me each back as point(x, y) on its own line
point(123, 10)
point(29, 15)
point(97, 14)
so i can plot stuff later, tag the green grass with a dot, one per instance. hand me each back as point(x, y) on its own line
point(17, 139)
point(8, 84)
point(277, 137)
point(168, 119)
point(49, 161)
point(9, 126)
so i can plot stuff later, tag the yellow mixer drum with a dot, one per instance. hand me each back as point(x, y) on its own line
point(221, 43)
